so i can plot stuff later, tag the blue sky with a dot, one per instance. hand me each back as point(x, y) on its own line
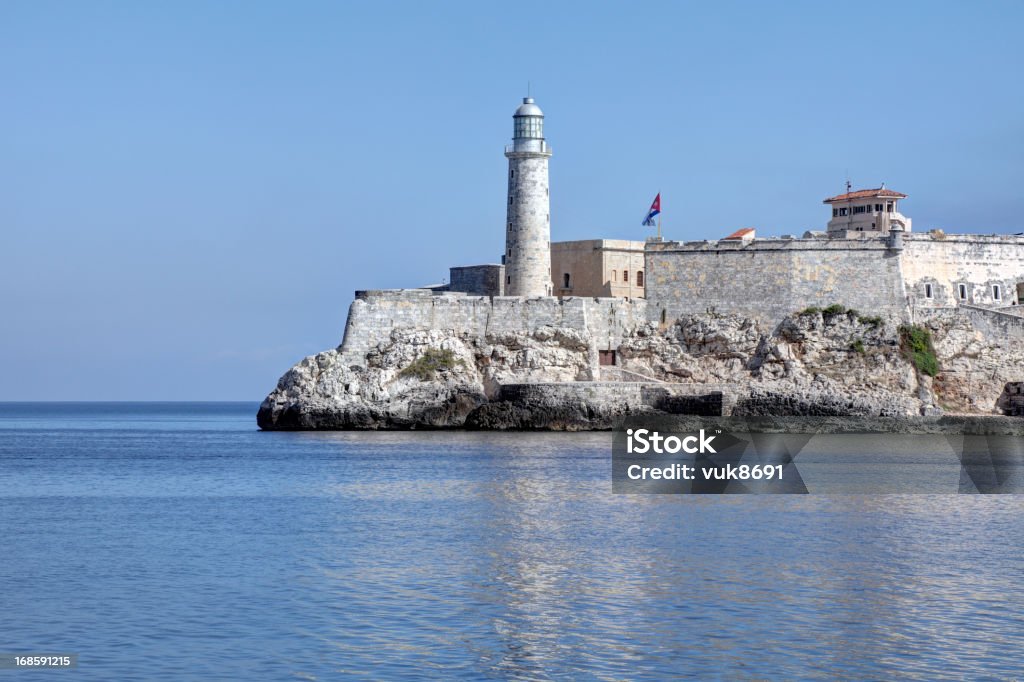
point(191, 191)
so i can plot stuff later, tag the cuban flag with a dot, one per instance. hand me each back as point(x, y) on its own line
point(655, 210)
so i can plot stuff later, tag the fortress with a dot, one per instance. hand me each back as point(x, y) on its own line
point(866, 259)
point(578, 335)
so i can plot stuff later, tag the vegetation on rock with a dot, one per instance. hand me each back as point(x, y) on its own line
point(426, 366)
point(871, 320)
point(916, 343)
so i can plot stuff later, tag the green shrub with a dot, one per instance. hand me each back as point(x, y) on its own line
point(426, 366)
point(852, 313)
point(873, 320)
point(916, 343)
point(812, 310)
point(857, 346)
point(834, 309)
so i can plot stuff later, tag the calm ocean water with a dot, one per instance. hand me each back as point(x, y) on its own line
point(175, 541)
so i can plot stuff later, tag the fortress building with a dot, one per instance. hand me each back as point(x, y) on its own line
point(867, 258)
point(598, 267)
point(527, 256)
point(614, 327)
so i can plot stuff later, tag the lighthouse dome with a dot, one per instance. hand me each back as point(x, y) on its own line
point(528, 108)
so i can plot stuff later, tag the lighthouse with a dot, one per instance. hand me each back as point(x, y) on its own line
point(527, 255)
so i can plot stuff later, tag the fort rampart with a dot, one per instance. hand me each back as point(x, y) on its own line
point(374, 314)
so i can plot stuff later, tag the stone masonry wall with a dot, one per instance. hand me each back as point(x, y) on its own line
point(374, 314)
point(995, 325)
point(767, 279)
point(977, 261)
point(478, 280)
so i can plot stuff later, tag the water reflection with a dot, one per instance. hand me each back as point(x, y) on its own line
point(211, 551)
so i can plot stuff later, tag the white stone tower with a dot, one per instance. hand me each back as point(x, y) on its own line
point(527, 256)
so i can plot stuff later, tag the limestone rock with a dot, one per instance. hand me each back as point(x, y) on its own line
point(812, 364)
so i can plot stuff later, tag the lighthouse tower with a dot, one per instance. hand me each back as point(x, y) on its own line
point(528, 227)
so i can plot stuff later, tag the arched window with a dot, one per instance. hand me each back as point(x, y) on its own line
point(639, 278)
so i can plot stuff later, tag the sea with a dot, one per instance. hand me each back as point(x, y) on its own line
point(176, 541)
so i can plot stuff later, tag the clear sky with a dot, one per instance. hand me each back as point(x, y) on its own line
point(191, 191)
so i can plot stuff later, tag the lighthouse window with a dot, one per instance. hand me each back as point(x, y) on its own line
point(835, 212)
point(528, 126)
point(510, 201)
point(512, 173)
point(888, 207)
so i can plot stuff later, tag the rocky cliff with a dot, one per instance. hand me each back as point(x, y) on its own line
point(816, 363)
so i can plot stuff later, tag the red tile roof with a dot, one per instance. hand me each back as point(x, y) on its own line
point(865, 194)
point(740, 234)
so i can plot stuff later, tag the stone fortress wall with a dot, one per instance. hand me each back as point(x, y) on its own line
point(984, 264)
point(769, 278)
point(374, 314)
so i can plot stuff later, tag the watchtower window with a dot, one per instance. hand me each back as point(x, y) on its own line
point(639, 278)
point(927, 290)
point(962, 290)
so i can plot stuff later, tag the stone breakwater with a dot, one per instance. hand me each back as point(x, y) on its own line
point(535, 364)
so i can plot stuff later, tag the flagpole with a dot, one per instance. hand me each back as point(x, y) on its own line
point(659, 216)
